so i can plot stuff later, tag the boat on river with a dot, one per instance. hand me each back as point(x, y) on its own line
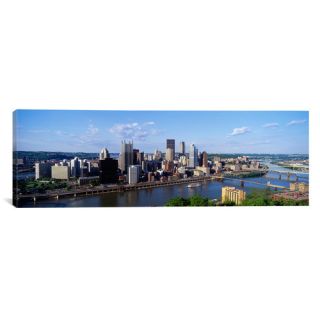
point(194, 185)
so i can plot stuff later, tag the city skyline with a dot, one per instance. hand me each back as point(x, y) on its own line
point(212, 131)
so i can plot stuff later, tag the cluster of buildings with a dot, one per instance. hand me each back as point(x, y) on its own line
point(298, 191)
point(133, 165)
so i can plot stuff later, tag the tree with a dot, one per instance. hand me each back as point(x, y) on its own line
point(197, 201)
point(177, 202)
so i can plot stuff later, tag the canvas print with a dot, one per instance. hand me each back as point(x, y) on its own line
point(112, 158)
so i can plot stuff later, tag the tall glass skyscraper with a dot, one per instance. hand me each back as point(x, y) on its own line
point(182, 148)
point(126, 156)
point(193, 156)
point(171, 144)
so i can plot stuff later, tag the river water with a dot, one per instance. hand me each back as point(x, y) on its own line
point(159, 196)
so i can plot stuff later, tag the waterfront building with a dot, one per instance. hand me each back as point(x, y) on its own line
point(198, 173)
point(169, 154)
point(235, 167)
point(104, 154)
point(216, 159)
point(171, 144)
point(133, 173)
point(150, 177)
point(108, 170)
point(126, 156)
point(193, 156)
point(42, 170)
point(301, 187)
point(60, 172)
point(233, 194)
point(182, 149)
point(87, 180)
point(205, 170)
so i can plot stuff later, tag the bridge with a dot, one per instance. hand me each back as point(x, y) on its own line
point(287, 174)
point(243, 181)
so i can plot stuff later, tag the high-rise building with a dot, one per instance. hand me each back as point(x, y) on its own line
point(182, 148)
point(171, 143)
point(42, 170)
point(169, 154)
point(193, 156)
point(75, 167)
point(135, 156)
point(108, 170)
point(104, 154)
point(233, 194)
point(126, 156)
point(204, 159)
point(140, 158)
point(133, 174)
point(157, 155)
point(60, 172)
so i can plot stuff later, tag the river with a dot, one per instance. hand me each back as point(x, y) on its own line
point(155, 197)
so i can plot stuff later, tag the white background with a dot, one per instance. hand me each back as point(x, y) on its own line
point(227, 263)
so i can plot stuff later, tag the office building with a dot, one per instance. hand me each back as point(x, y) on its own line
point(301, 187)
point(169, 154)
point(231, 194)
point(126, 156)
point(204, 159)
point(108, 170)
point(135, 156)
point(172, 145)
point(42, 170)
point(60, 172)
point(193, 156)
point(104, 154)
point(140, 158)
point(133, 174)
point(75, 167)
point(182, 149)
point(157, 155)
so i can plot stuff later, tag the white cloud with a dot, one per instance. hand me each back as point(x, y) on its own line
point(92, 130)
point(294, 122)
point(238, 131)
point(271, 125)
point(133, 130)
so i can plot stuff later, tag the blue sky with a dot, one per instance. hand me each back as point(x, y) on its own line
point(213, 131)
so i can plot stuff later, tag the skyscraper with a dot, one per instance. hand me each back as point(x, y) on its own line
point(204, 159)
point(172, 145)
point(75, 167)
point(133, 173)
point(126, 156)
point(135, 156)
point(42, 170)
point(182, 148)
point(169, 154)
point(108, 170)
point(104, 154)
point(193, 156)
